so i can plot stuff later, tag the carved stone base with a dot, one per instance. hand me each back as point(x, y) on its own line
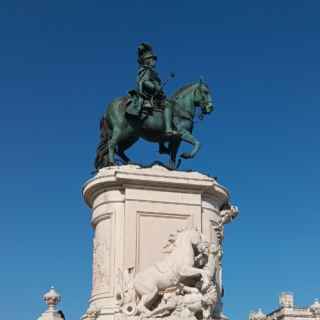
point(134, 211)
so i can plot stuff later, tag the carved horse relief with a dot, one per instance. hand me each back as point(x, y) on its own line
point(179, 271)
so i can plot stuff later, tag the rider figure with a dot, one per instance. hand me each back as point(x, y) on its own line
point(149, 86)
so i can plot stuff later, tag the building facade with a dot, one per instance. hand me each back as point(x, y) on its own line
point(287, 310)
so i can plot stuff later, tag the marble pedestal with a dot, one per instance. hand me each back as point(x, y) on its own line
point(133, 212)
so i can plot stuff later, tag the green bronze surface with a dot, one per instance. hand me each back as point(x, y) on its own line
point(147, 113)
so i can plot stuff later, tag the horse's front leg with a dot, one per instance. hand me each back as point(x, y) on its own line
point(192, 272)
point(188, 137)
point(173, 147)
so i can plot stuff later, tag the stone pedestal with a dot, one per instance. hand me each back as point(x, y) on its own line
point(133, 212)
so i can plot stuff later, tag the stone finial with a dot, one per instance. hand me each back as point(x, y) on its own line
point(315, 307)
point(286, 300)
point(257, 315)
point(52, 298)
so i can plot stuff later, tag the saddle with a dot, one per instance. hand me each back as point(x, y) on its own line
point(138, 104)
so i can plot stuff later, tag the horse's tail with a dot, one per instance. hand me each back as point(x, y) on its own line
point(102, 149)
point(104, 128)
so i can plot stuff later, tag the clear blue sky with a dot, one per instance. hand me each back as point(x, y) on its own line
point(61, 62)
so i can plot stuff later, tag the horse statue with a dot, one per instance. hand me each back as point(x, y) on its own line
point(177, 266)
point(119, 131)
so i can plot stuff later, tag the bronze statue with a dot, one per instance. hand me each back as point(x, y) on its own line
point(150, 92)
point(146, 112)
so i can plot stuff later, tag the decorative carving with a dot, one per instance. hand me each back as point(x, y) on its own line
point(99, 276)
point(179, 286)
point(102, 242)
point(286, 300)
point(315, 307)
point(186, 303)
point(92, 313)
point(257, 315)
point(227, 213)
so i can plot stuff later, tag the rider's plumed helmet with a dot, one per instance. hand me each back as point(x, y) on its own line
point(145, 52)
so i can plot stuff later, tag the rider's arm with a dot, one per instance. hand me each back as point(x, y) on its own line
point(148, 85)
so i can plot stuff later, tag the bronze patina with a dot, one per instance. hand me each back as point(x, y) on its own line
point(147, 113)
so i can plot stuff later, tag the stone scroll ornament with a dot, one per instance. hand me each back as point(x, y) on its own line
point(179, 286)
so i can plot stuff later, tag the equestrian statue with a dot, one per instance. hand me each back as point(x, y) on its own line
point(147, 113)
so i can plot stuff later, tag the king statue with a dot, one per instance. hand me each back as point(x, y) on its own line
point(150, 92)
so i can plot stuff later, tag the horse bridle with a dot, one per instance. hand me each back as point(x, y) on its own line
point(202, 102)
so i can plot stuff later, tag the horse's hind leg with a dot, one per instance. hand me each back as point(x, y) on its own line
point(123, 156)
point(124, 146)
point(115, 137)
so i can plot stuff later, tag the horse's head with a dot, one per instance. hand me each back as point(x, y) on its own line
point(183, 237)
point(202, 97)
point(193, 236)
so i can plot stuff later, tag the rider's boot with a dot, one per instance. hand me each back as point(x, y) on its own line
point(169, 132)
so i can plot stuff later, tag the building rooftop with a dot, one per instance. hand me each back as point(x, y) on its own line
point(287, 310)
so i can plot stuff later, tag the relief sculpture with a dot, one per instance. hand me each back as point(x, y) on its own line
point(179, 286)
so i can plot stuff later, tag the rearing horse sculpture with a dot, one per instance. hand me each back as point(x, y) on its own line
point(177, 265)
point(120, 131)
